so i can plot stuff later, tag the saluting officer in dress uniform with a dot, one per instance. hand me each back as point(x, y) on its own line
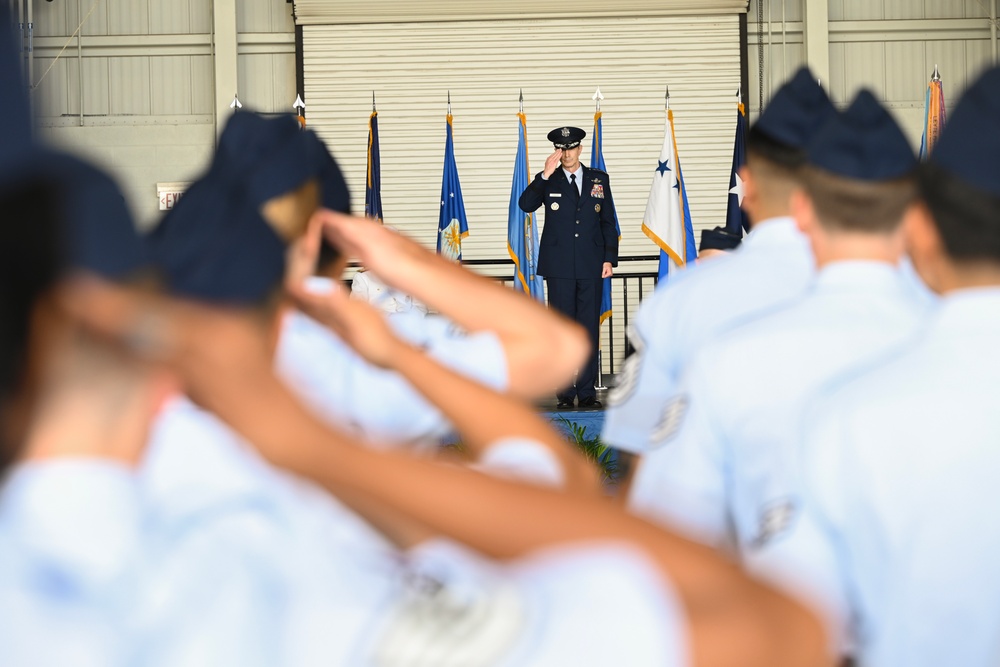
point(579, 244)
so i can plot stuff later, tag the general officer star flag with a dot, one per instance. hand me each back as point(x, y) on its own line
point(522, 235)
point(736, 218)
point(597, 162)
point(452, 224)
point(373, 188)
point(667, 221)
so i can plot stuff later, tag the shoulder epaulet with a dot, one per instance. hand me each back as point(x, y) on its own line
point(599, 171)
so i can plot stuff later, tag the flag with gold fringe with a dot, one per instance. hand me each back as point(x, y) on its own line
point(452, 223)
point(373, 185)
point(597, 162)
point(522, 235)
point(736, 218)
point(667, 221)
point(934, 114)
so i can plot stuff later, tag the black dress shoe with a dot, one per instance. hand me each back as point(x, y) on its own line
point(591, 402)
point(565, 404)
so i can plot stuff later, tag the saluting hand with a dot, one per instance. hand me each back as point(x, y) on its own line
point(551, 162)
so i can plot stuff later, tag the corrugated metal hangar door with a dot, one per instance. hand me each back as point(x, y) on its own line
point(412, 54)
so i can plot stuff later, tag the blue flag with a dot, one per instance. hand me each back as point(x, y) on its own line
point(667, 221)
point(597, 162)
point(736, 218)
point(373, 189)
point(452, 224)
point(522, 235)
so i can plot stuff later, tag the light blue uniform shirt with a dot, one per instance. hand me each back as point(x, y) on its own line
point(245, 563)
point(773, 265)
point(68, 542)
point(374, 402)
point(902, 468)
point(728, 461)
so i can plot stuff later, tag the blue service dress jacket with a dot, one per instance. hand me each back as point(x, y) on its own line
point(579, 234)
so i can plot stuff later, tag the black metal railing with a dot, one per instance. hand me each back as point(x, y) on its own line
point(632, 282)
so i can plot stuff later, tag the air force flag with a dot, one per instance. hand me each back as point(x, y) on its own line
point(597, 162)
point(522, 235)
point(452, 224)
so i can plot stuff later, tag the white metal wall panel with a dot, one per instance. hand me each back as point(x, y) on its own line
point(157, 62)
point(127, 17)
point(267, 82)
point(202, 85)
point(855, 10)
point(264, 16)
point(890, 46)
point(324, 12)
point(484, 64)
point(129, 86)
point(170, 91)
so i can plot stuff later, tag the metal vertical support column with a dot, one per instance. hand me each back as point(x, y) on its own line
point(817, 38)
point(30, 22)
point(224, 53)
point(79, 59)
point(993, 31)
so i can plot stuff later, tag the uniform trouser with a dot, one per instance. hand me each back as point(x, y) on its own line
point(580, 300)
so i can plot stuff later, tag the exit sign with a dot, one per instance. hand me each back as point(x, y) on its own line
point(170, 193)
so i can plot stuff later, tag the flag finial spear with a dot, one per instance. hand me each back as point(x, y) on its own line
point(373, 101)
point(597, 98)
point(236, 105)
point(666, 99)
point(449, 102)
point(299, 105)
point(739, 94)
point(936, 76)
point(520, 100)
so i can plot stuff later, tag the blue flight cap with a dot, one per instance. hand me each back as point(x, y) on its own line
point(863, 143)
point(719, 238)
point(99, 233)
point(969, 146)
point(96, 228)
point(215, 245)
point(797, 111)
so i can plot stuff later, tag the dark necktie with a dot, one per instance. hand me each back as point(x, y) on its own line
point(572, 180)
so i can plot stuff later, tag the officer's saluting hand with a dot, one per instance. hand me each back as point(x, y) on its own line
point(551, 162)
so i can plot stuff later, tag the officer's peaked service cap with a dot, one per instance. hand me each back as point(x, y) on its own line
point(797, 111)
point(969, 146)
point(566, 137)
point(863, 143)
point(215, 245)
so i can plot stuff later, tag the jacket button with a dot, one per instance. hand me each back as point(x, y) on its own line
point(576, 235)
point(578, 222)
